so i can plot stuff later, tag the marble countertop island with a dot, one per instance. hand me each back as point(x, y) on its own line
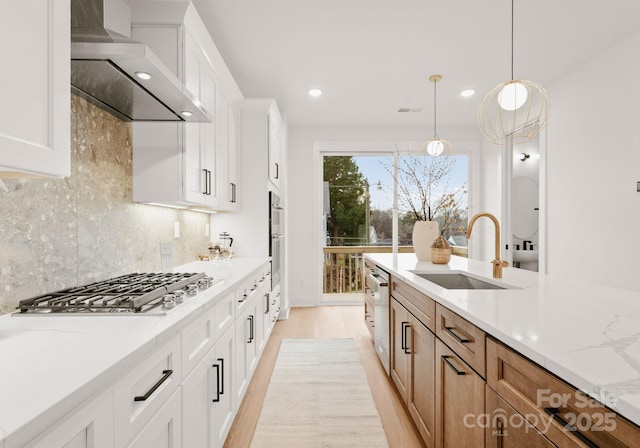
point(52, 364)
point(586, 334)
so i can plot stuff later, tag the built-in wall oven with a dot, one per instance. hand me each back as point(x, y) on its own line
point(275, 238)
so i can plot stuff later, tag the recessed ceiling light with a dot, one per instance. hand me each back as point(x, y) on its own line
point(143, 75)
point(315, 92)
point(467, 93)
point(186, 113)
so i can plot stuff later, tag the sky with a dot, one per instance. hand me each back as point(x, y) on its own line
point(372, 167)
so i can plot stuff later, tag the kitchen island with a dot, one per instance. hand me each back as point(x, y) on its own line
point(53, 365)
point(587, 335)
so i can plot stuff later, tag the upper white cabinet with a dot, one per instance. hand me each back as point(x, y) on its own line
point(276, 137)
point(187, 164)
point(227, 149)
point(34, 87)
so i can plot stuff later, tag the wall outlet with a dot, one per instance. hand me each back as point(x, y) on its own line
point(176, 229)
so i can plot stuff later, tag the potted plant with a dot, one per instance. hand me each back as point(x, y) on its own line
point(426, 196)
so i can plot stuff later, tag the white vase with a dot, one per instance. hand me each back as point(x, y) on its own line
point(424, 233)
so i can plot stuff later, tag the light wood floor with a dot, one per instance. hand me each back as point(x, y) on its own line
point(326, 322)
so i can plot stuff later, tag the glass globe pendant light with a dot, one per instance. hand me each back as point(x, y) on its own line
point(436, 145)
point(514, 111)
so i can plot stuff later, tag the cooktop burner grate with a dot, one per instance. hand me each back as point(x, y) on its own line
point(131, 293)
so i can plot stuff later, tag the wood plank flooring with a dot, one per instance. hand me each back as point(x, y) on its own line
point(326, 322)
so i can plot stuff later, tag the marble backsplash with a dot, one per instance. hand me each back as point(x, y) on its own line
point(58, 233)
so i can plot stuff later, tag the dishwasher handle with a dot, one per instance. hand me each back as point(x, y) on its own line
point(377, 280)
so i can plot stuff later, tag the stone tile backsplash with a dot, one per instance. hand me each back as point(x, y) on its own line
point(57, 233)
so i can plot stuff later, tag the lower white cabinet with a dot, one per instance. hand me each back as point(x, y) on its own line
point(91, 426)
point(208, 405)
point(145, 389)
point(184, 393)
point(164, 430)
point(247, 348)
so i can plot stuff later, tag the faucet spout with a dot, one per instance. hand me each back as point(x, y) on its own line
point(498, 264)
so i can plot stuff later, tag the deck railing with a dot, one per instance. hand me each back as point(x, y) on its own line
point(343, 268)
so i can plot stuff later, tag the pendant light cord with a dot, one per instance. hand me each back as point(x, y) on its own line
point(512, 2)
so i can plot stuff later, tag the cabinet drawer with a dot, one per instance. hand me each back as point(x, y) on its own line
point(196, 340)
point(369, 316)
point(549, 401)
point(507, 428)
point(464, 338)
point(224, 314)
point(369, 266)
point(248, 287)
point(418, 304)
point(144, 390)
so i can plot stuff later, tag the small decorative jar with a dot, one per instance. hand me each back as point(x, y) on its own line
point(440, 251)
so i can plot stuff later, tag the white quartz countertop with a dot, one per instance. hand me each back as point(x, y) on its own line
point(52, 364)
point(587, 334)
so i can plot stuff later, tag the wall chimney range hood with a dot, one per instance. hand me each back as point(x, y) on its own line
point(120, 75)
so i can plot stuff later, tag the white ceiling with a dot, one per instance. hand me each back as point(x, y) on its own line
point(372, 57)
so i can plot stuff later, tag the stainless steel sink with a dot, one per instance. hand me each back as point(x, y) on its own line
point(456, 280)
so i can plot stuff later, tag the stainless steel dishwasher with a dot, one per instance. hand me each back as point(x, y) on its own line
point(380, 281)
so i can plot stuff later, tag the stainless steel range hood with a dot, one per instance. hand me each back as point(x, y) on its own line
point(107, 69)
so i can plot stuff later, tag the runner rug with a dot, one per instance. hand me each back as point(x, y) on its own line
point(319, 396)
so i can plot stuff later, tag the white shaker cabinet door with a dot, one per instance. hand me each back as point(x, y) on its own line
point(34, 86)
point(165, 428)
point(89, 427)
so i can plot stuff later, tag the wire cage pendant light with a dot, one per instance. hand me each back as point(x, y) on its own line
point(514, 111)
point(436, 145)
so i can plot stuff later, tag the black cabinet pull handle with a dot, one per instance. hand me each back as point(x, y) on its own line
point(277, 171)
point(404, 345)
point(206, 176)
point(250, 319)
point(457, 337)
point(500, 433)
point(244, 297)
point(221, 376)
point(165, 376)
point(210, 188)
point(266, 297)
point(217, 367)
point(554, 413)
point(447, 362)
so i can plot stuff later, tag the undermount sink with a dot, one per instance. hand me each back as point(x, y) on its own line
point(457, 280)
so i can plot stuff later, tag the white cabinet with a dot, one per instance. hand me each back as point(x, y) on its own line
point(247, 349)
point(207, 397)
point(34, 87)
point(89, 427)
point(275, 145)
point(175, 163)
point(165, 428)
point(226, 151)
point(145, 389)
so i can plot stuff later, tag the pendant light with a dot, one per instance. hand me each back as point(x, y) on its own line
point(436, 145)
point(514, 111)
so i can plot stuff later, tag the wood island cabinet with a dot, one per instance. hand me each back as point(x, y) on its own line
point(459, 401)
point(412, 359)
point(505, 428)
point(566, 416)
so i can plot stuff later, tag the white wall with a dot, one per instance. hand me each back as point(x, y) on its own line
point(304, 217)
point(593, 164)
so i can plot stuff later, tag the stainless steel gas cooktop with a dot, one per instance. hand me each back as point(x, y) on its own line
point(135, 294)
